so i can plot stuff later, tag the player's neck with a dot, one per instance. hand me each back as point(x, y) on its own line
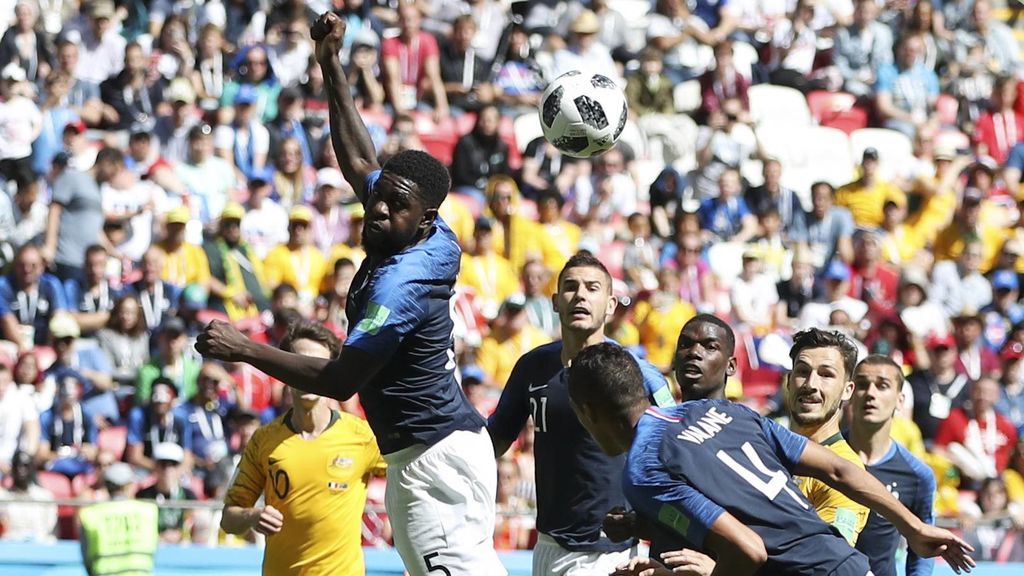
point(871, 441)
point(573, 342)
point(312, 422)
point(818, 433)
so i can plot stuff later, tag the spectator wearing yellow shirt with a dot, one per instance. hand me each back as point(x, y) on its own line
point(352, 248)
point(866, 196)
point(564, 234)
point(457, 214)
point(489, 274)
point(936, 195)
point(967, 225)
point(298, 262)
point(511, 336)
point(660, 319)
point(899, 243)
point(184, 263)
point(516, 237)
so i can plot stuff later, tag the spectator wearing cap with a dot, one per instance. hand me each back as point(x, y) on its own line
point(265, 222)
point(834, 287)
point(125, 339)
point(169, 486)
point(23, 216)
point(20, 121)
point(977, 438)
point(937, 388)
point(411, 66)
point(25, 515)
point(1004, 311)
point(172, 129)
point(68, 444)
point(128, 203)
point(102, 48)
point(206, 413)
point(32, 296)
point(330, 219)
point(297, 262)
point(75, 218)
point(155, 424)
point(207, 177)
point(88, 365)
point(872, 280)
point(968, 226)
point(19, 421)
point(290, 123)
point(510, 337)
point(237, 285)
point(753, 295)
point(131, 97)
point(465, 73)
point(171, 361)
point(1011, 394)
point(253, 70)
point(245, 142)
point(861, 48)
point(490, 274)
point(184, 262)
point(158, 298)
point(959, 284)
point(974, 359)
point(906, 91)
point(866, 196)
point(584, 52)
point(1000, 127)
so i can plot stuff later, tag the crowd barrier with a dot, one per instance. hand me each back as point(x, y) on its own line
point(64, 559)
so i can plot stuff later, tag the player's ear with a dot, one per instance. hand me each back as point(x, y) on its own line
point(429, 215)
point(848, 391)
point(730, 367)
point(612, 303)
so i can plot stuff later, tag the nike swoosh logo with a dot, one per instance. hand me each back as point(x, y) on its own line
point(533, 388)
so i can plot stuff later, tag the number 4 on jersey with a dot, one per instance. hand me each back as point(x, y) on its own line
point(777, 479)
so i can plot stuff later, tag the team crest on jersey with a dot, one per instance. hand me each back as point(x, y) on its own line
point(341, 463)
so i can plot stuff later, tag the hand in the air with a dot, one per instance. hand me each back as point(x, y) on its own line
point(328, 32)
point(931, 541)
point(221, 341)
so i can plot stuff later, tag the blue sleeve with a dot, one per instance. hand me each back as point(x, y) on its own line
point(72, 293)
point(658, 390)
point(706, 213)
point(135, 419)
point(96, 359)
point(844, 222)
point(173, 292)
point(45, 423)
point(91, 433)
point(1016, 158)
point(923, 508)
point(886, 77)
point(509, 417)
point(933, 85)
point(394, 308)
point(371, 181)
point(57, 296)
point(789, 446)
point(669, 501)
point(189, 432)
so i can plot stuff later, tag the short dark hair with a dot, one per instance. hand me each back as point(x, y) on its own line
point(343, 263)
point(110, 154)
point(314, 331)
point(729, 340)
point(609, 374)
point(94, 249)
point(816, 338)
point(551, 194)
point(429, 175)
point(584, 259)
point(831, 189)
point(282, 289)
point(883, 360)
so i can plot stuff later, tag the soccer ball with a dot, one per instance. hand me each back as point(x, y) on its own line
point(582, 115)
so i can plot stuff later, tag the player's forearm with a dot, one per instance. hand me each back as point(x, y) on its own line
point(351, 141)
point(303, 372)
point(238, 520)
point(866, 490)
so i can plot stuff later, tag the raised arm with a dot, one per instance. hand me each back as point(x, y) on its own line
point(352, 144)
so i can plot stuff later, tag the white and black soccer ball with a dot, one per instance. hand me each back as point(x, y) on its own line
point(582, 115)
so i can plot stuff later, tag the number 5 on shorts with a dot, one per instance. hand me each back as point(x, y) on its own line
point(435, 567)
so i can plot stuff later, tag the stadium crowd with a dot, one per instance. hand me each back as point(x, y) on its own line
point(166, 163)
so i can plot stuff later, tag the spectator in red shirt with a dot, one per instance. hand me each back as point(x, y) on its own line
point(978, 439)
point(974, 358)
point(723, 82)
point(1000, 127)
point(412, 67)
point(872, 280)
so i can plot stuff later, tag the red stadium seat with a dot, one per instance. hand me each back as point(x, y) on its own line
point(60, 486)
point(948, 109)
point(837, 110)
point(113, 440)
point(611, 254)
point(45, 356)
point(206, 316)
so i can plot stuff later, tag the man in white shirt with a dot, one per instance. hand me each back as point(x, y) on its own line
point(265, 223)
point(19, 421)
point(584, 52)
point(102, 48)
point(753, 294)
point(128, 200)
point(208, 178)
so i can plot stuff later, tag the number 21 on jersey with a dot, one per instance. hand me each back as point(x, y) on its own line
point(539, 411)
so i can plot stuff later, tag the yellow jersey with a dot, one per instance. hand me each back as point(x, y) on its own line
point(186, 265)
point(318, 485)
point(834, 507)
point(493, 279)
point(498, 358)
point(951, 242)
point(865, 204)
point(304, 269)
point(659, 326)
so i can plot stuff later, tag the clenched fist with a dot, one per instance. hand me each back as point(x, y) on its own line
point(328, 32)
point(221, 341)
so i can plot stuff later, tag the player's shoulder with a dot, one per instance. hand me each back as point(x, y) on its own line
point(913, 464)
point(543, 354)
point(271, 432)
point(352, 427)
point(437, 258)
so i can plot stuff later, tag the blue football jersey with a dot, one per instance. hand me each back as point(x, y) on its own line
point(577, 483)
point(691, 463)
point(912, 483)
point(400, 309)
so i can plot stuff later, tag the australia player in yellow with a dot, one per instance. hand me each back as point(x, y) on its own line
point(821, 381)
point(311, 465)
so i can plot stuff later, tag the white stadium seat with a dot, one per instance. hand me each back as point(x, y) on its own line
point(808, 154)
point(686, 96)
point(527, 129)
point(778, 105)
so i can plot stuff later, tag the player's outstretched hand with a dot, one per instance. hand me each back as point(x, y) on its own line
point(641, 567)
point(689, 563)
point(619, 525)
point(931, 541)
point(268, 521)
point(328, 32)
point(221, 341)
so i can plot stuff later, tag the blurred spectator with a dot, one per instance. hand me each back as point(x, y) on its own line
point(206, 414)
point(1001, 127)
point(977, 439)
point(660, 318)
point(584, 52)
point(958, 285)
point(834, 289)
point(411, 70)
point(20, 121)
point(795, 292)
point(56, 113)
point(129, 203)
point(68, 444)
point(727, 141)
point(83, 95)
point(288, 58)
point(245, 141)
point(519, 81)
point(1011, 393)
point(753, 295)
point(265, 222)
point(1004, 311)
point(23, 217)
point(785, 201)
point(158, 298)
point(975, 359)
point(364, 71)
point(513, 532)
point(723, 83)
point(906, 91)
point(489, 273)
point(236, 272)
point(862, 48)
point(19, 421)
point(24, 514)
point(866, 196)
point(545, 167)
point(540, 312)
point(290, 123)
point(934, 196)
point(330, 219)
point(147, 163)
point(565, 236)
point(1000, 45)
point(516, 236)
point(480, 154)
point(131, 97)
point(641, 257)
point(171, 361)
point(725, 216)
point(184, 263)
point(650, 90)
point(696, 282)
point(207, 177)
point(872, 280)
point(604, 198)
point(793, 48)
point(75, 218)
point(938, 388)
point(969, 228)
point(24, 47)
point(293, 179)
point(680, 36)
point(332, 303)
point(32, 296)
point(86, 364)
point(172, 129)
point(511, 336)
point(169, 486)
point(257, 80)
point(989, 526)
point(92, 297)
point(29, 377)
point(125, 340)
point(209, 73)
point(465, 73)
point(101, 47)
point(155, 424)
point(297, 262)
